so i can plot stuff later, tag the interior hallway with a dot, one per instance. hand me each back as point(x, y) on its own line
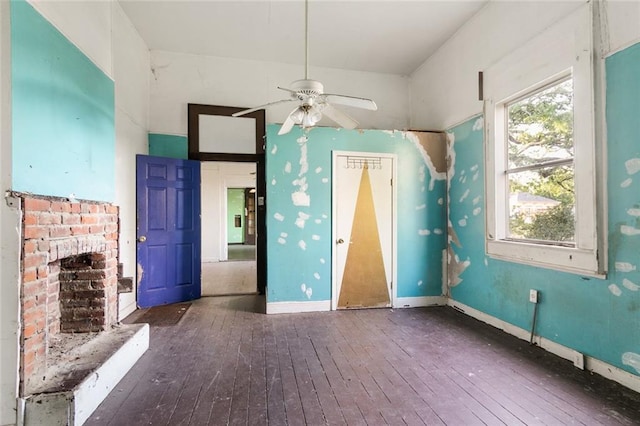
point(230, 277)
point(227, 363)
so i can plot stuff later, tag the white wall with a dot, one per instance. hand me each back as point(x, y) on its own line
point(103, 33)
point(9, 238)
point(131, 65)
point(216, 178)
point(87, 24)
point(623, 24)
point(179, 79)
point(444, 90)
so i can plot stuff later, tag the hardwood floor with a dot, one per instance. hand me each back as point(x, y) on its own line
point(225, 364)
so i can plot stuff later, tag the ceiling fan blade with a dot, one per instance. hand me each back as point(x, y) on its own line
point(293, 92)
point(351, 101)
point(288, 124)
point(247, 111)
point(339, 117)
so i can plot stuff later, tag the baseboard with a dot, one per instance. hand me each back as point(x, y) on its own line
point(296, 307)
point(417, 302)
point(590, 364)
point(209, 260)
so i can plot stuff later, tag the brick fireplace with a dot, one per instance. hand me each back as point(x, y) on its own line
point(69, 277)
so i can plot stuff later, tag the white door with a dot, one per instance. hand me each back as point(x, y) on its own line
point(363, 230)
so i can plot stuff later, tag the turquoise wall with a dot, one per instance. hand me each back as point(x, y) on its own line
point(289, 265)
point(63, 113)
point(172, 146)
point(235, 206)
point(596, 317)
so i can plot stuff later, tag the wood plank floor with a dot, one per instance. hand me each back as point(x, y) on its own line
point(226, 364)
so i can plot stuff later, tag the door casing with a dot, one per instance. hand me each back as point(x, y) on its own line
point(334, 223)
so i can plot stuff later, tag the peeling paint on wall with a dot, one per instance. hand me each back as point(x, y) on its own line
point(632, 360)
point(615, 290)
point(626, 183)
point(632, 166)
point(301, 219)
point(303, 202)
point(630, 285)
point(633, 212)
point(629, 230)
point(625, 267)
point(432, 147)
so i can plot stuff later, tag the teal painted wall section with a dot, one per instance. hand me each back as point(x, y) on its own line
point(596, 317)
point(63, 113)
point(235, 206)
point(168, 146)
point(419, 209)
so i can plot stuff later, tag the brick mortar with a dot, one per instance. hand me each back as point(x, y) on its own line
point(54, 228)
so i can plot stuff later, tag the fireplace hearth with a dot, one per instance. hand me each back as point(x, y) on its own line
point(69, 274)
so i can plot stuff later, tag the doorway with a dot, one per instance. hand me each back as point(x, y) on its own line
point(363, 230)
point(214, 135)
point(241, 228)
point(228, 214)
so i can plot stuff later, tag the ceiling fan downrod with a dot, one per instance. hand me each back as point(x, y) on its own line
point(306, 39)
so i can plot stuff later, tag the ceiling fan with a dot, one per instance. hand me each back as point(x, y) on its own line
point(313, 103)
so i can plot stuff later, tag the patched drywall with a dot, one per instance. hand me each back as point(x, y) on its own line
point(597, 317)
point(299, 214)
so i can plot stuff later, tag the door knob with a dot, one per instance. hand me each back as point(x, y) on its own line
point(340, 241)
point(142, 239)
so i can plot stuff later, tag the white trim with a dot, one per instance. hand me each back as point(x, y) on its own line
point(418, 302)
point(394, 215)
point(76, 405)
point(590, 364)
point(566, 259)
point(564, 47)
point(297, 307)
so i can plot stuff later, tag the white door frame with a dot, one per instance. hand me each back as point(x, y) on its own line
point(394, 224)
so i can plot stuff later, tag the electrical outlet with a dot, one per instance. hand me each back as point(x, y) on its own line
point(533, 296)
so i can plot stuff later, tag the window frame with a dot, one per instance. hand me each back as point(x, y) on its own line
point(561, 50)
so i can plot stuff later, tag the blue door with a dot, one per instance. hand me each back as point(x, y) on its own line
point(168, 230)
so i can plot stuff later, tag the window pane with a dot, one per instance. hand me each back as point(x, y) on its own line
point(542, 204)
point(540, 126)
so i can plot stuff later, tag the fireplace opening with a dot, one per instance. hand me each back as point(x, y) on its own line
point(82, 293)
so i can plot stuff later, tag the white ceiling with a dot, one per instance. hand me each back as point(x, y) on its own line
point(383, 36)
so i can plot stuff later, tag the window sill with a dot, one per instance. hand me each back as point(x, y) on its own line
point(566, 259)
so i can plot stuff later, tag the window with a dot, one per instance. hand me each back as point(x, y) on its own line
point(540, 162)
point(539, 121)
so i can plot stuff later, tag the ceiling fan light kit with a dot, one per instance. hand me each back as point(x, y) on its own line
point(313, 102)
